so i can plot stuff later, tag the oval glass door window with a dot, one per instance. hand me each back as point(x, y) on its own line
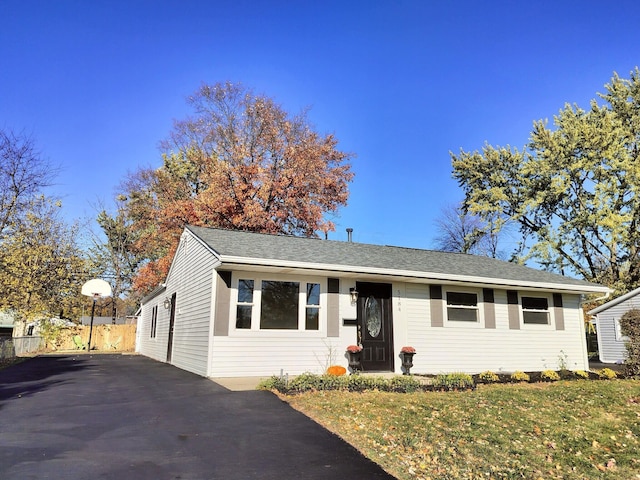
point(373, 316)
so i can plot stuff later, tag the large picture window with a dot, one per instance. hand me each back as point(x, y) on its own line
point(279, 306)
point(272, 304)
point(535, 310)
point(462, 307)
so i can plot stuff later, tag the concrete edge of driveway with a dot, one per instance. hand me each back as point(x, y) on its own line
point(238, 384)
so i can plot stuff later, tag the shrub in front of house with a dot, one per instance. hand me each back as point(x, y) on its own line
point(360, 383)
point(630, 328)
point(453, 381)
point(274, 382)
point(309, 381)
point(606, 374)
point(488, 377)
point(403, 384)
point(519, 376)
point(582, 374)
point(549, 376)
point(333, 382)
point(407, 384)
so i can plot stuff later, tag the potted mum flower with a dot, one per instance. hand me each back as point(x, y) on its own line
point(407, 354)
point(354, 352)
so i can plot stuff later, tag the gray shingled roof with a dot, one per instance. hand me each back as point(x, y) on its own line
point(280, 248)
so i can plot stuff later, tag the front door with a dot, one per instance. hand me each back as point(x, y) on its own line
point(375, 326)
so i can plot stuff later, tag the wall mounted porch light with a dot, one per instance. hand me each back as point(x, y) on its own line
point(167, 303)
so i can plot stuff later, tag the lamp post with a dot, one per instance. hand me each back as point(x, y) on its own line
point(95, 288)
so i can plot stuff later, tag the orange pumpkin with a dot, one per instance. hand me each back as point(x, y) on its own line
point(336, 370)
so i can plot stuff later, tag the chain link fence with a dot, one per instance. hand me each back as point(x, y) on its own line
point(13, 347)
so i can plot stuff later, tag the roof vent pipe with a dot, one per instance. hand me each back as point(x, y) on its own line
point(349, 232)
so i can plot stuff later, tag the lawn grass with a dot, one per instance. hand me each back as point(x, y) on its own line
point(564, 430)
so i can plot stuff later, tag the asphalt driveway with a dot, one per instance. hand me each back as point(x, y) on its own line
point(129, 417)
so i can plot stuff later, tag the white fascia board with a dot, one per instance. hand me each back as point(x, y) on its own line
point(192, 235)
point(411, 274)
point(154, 293)
point(203, 243)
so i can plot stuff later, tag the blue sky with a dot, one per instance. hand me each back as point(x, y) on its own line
point(400, 83)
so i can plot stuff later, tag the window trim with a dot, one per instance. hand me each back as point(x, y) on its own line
point(618, 331)
point(479, 322)
point(549, 310)
point(250, 304)
point(258, 278)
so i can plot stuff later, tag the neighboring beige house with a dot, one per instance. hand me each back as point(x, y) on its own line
point(611, 342)
point(244, 304)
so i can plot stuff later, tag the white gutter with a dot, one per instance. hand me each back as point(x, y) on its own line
point(606, 295)
point(411, 274)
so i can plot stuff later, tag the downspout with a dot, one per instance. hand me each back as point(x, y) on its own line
point(584, 333)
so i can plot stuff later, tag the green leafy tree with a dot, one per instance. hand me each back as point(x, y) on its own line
point(114, 256)
point(573, 191)
point(41, 267)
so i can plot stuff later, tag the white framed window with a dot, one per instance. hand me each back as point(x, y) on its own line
point(462, 306)
point(278, 303)
point(244, 306)
point(312, 308)
point(535, 310)
point(154, 321)
point(618, 329)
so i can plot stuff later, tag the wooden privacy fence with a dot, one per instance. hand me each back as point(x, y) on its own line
point(109, 338)
point(106, 338)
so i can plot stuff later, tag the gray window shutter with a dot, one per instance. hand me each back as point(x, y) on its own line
point(223, 303)
point(436, 306)
point(513, 310)
point(489, 308)
point(558, 311)
point(333, 307)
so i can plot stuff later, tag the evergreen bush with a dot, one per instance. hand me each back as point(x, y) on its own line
point(360, 383)
point(451, 381)
point(273, 383)
point(403, 384)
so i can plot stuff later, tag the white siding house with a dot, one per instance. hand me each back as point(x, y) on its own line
point(611, 342)
point(244, 304)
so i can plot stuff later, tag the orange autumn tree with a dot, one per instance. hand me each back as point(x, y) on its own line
point(239, 162)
